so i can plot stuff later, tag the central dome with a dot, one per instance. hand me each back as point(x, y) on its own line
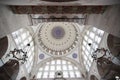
point(57, 38)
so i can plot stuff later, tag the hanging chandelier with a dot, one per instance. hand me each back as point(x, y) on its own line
point(19, 54)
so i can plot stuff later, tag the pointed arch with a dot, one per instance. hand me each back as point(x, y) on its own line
point(50, 67)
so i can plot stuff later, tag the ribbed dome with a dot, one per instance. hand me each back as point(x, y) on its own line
point(58, 38)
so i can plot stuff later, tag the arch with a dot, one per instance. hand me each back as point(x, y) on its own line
point(50, 67)
point(93, 77)
point(23, 78)
point(58, 58)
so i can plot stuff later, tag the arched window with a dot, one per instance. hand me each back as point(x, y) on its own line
point(48, 70)
point(22, 37)
point(90, 42)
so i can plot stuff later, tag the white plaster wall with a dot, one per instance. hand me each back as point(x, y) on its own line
point(10, 22)
point(109, 21)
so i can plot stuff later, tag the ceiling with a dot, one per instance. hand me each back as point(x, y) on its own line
point(57, 38)
point(59, 2)
point(58, 9)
